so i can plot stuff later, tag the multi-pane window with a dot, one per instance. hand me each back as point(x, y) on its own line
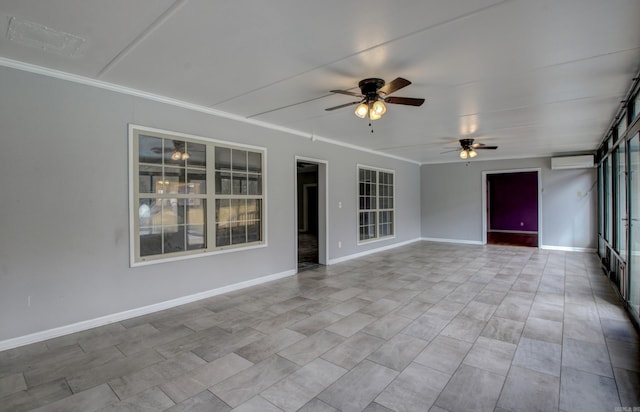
point(376, 203)
point(238, 196)
point(193, 195)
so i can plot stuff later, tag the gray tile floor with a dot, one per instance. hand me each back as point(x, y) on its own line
point(425, 327)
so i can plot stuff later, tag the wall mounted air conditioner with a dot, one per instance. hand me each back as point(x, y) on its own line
point(572, 162)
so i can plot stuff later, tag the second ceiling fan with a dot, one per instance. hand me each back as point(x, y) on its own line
point(374, 94)
point(468, 148)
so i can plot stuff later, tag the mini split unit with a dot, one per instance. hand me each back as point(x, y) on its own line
point(572, 162)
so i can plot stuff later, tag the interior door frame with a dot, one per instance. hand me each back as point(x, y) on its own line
point(485, 174)
point(323, 207)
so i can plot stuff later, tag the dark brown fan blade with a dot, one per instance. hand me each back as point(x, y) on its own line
point(347, 92)
point(394, 85)
point(342, 105)
point(409, 101)
point(483, 147)
point(457, 149)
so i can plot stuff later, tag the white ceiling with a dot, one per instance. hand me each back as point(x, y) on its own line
point(535, 77)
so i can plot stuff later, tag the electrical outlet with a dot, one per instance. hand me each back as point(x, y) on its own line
point(339, 244)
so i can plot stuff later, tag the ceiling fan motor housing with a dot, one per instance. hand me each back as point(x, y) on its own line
point(466, 144)
point(370, 87)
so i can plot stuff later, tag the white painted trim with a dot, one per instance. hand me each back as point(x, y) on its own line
point(484, 198)
point(460, 241)
point(57, 74)
point(569, 248)
point(371, 251)
point(128, 314)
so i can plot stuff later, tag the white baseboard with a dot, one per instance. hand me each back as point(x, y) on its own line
point(128, 314)
point(371, 251)
point(568, 248)
point(461, 241)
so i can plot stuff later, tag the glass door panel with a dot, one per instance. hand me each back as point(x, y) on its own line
point(634, 233)
point(621, 203)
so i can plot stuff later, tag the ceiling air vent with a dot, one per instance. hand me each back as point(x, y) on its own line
point(572, 162)
point(36, 35)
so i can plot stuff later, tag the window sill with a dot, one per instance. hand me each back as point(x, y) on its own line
point(156, 260)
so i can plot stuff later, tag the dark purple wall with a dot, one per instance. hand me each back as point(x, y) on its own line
point(513, 199)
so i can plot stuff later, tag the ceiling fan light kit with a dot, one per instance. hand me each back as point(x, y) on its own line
point(468, 153)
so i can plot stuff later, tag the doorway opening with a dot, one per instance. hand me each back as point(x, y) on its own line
point(512, 208)
point(311, 215)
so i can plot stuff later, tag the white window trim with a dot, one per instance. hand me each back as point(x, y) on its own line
point(378, 238)
point(133, 209)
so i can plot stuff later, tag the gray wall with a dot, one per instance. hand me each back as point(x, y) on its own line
point(64, 230)
point(451, 196)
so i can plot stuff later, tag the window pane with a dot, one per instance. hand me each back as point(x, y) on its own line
point(196, 223)
point(238, 233)
point(255, 184)
point(238, 211)
point(174, 180)
point(223, 158)
point(223, 233)
point(254, 209)
point(151, 244)
point(173, 238)
point(174, 152)
point(255, 162)
point(223, 211)
point(150, 179)
point(197, 154)
point(253, 214)
point(150, 227)
point(196, 181)
point(223, 183)
point(254, 231)
point(239, 184)
point(239, 158)
point(150, 149)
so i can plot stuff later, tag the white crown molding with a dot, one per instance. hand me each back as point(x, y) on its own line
point(57, 74)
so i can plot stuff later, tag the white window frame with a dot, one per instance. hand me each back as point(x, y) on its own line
point(134, 196)
point(377, 209)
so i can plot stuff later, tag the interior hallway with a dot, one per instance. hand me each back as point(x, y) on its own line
point(428, 326)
